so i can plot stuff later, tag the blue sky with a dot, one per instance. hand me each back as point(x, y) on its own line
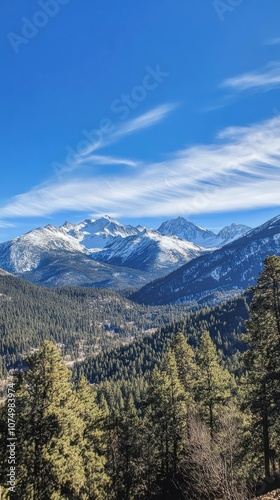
point(143, 111)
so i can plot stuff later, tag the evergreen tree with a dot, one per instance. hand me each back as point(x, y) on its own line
point(124, 449)
point(186, 367)
point(262, 361)
point(49, 430)
point(214, 384)
point(168, 416)
point(93, 443)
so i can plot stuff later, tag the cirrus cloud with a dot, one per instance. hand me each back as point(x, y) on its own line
point(240, 170)
point(265, 79)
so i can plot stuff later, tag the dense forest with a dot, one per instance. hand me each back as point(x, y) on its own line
point(82, 321)
point(225, 322)
point(191, 412)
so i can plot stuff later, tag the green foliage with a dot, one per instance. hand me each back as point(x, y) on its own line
point(81, 321)
point(93, 446)
point(225, 323)
point(262, 361)
point(174, 414)
point(56, 433)
point(214, 382)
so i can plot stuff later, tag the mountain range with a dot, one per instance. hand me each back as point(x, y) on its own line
point(107, 253)
point(225, 272)
point(150, 251)
point(50, 256)
point(184, 229)
point(96, 234)
point(179, 262)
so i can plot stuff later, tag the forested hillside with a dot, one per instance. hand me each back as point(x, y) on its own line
point(225, 323)
point(190, 412)
point(81, 320)
point(190, 428)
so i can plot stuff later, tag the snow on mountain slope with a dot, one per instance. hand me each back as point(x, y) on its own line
point(203, 237)
point(4, 273)
point(105, 252)
point(232, 232)
point(99, 233)
point(51, 257)
point(25, 252)
point(149, 250)
point(184, 229)
point(219, 274)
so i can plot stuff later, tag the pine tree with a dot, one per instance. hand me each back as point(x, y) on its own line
point(262, 361)
point(49, 430)
point(214, 384)
point(186, 367)
point(93, 446)
point(123, 437)
point(168, 417)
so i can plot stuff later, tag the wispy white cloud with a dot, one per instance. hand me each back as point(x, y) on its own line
point(266, 78)
point(142, 122)
point(5, 224)
point(148, 119)
point(117, 132)
point(107, 160)
point(273, 41)
point(240, 170)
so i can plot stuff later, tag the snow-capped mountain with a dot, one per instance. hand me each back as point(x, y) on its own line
point(105, 252)
point(184, 229)
point(24, 253)
point(99, 233)
point(219, 274)
point(149, 251)
point(232, 232)
point(50, 256)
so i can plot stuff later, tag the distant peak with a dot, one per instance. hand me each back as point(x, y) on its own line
point(108, 219)
point(147, 231)
point(180, 223)
point(67, 224)
point(104, 220)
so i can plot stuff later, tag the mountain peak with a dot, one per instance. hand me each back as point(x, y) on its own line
point(109, 219)
point(233, 232)
point(96, 234)
point(222, 273)
point(186, 230)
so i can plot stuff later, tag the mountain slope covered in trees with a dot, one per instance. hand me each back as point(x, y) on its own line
point(195, 415)
point(81, 320)
point(225, 322)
